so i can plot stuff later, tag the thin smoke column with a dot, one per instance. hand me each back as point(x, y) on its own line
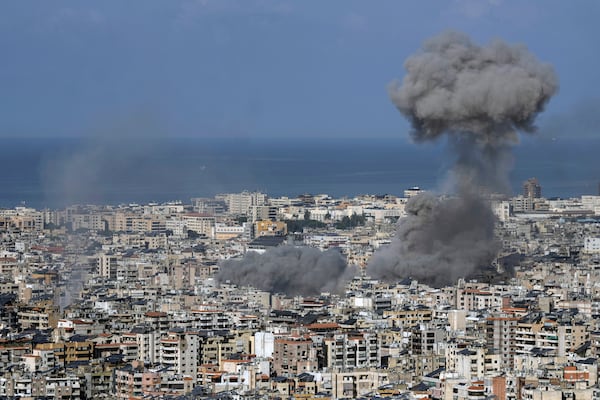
point(289, 269)
point(479, 98)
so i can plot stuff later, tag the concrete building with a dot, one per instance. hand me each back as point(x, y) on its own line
point(202, 224)
point(354, 384)
point(263, 213)
point(270, 228)
point(147, 341)
point(136, 382)
point(591, 245)
point(347, 351)
point(107, 265)
point(227, 232)
point(181, 351)
point(240, 203)
point(293, 356)
point(210, 206)
point(500, 335)
point(532, 189)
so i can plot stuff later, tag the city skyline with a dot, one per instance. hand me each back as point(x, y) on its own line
point(263, 199)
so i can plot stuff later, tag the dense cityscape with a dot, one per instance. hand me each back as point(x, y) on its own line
point(285, 253)
point(128, 302)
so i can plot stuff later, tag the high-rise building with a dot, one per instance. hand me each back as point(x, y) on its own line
point(500, 335)
point(240, 203)
point(180, 351)
point(532, 188)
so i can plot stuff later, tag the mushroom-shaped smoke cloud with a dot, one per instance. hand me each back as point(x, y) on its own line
point(480, 97)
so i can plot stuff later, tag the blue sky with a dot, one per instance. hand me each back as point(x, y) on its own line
point(261, 68)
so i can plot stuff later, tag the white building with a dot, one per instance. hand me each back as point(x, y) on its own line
point(240, 203)
point(264, 344)
point(502, 210)
point(591, 245)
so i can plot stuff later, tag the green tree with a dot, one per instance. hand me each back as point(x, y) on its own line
point(351, 222)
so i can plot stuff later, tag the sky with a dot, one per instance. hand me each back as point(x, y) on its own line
point(264, 68)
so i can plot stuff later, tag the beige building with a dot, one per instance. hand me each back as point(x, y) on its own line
point(43, 316)
point(8, 265)
point(226, 232)
point(87, 221)
point(293, 356)
point(107, 265)
point(21, 219)
point(202, 224)
point(357, 383)
point(129, 222)
point(500, 337)
point(270, 228)
point(240, 203)
point(409, 316)
point(549, 336)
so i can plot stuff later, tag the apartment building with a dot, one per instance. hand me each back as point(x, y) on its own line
point(548, 336)
point(21, 219)
point(409, 316)
point(354, 384)
point(147, 341)
point(292, 356)
point(352, 350)
point(211, 320)
point(43, 316)
point(8, 266)
point(135, 382)
point(130, 222)
point(90, 221)
point(181, 351)
point(107, 265)
point(475, 299)
point(500, 335)
point(240, 203)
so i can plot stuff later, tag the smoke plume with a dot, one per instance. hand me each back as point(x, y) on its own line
point(439, 241)
point(111, 158)
point(290, 270)
point(480, 98)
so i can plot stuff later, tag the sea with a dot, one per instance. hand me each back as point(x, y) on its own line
point(57, 172)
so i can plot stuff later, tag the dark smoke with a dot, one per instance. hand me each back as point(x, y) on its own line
point(490, 92)
point(439, 241)
point(288, 269)
point(480, 97)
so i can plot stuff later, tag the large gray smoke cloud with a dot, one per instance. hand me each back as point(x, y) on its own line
point(289, 269)
point(454, 85)
point(480, 97)
point(439, 241)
